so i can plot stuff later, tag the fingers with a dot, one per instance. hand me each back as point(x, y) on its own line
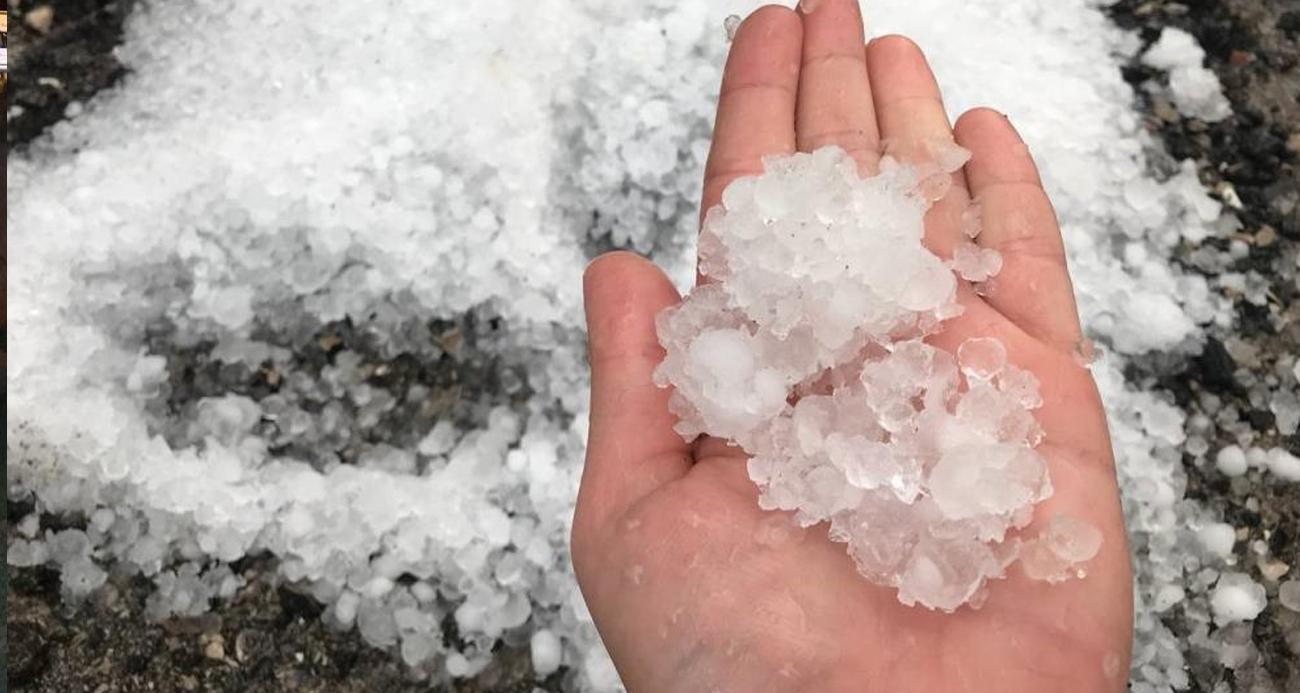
point(911, 117)
point(834, 92)
point(632, 447)
point(757, 101)
point(1033, 289)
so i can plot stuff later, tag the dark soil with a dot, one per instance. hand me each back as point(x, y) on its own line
point(268, 637)
point(460, 373)
point(69, 62)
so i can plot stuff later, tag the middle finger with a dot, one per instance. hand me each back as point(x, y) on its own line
point(834, 91)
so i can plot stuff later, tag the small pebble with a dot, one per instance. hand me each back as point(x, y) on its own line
point(39, 18)
point(215, 648)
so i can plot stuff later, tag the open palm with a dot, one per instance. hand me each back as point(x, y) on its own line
point(692, 586)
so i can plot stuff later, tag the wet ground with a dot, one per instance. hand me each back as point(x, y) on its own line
point(1254, 157)
point(270, 638)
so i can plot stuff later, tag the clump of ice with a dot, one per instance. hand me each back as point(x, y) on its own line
point(974, 263)
point(804, 345)
point(1195, 90)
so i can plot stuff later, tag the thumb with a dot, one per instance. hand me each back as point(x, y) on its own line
point(632, 448)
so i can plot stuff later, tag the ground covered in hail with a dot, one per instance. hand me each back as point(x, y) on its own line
point(263, 321)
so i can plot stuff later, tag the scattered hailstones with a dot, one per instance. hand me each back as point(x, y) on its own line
point(1195, 90)
point(805, 347)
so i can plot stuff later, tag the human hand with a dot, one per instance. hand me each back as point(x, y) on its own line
point(692, 586)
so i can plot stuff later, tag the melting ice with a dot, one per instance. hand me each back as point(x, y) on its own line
point(805, 346)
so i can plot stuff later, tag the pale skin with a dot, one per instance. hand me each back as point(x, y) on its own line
point(666, 537)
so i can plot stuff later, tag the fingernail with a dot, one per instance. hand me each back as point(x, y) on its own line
point(809, 6)
point(609, 255)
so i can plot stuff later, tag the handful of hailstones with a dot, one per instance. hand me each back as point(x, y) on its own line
point(805, 346)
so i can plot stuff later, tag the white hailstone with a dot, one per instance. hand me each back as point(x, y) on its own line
point(23, 553)
point(1231, 461)
point(1218, 538)
point(345, 609)
point(1059, 552)
point(1196, 90)
point(974, 263)
point(1236, 598)
point(1167, 596)
point(1284, 465)
point(458, 665)
point(418, 648)
point(1234, 644)
point(1288, 594)
point(546, 652)
point(440, 440)
point(29, 526)
point(1285, 405)
point(805, 349)
point(1257, 457)
point(81, 576)
point(982, 358)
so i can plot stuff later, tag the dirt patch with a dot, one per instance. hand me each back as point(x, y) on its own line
point(53, 65)
point(268, 638)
